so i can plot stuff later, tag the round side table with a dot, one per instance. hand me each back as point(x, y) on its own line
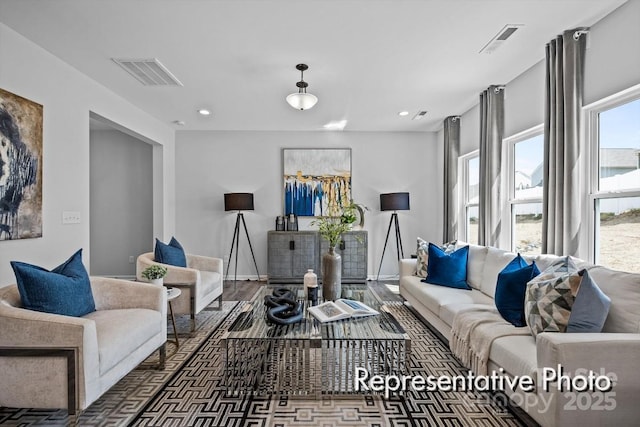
point(173, 293)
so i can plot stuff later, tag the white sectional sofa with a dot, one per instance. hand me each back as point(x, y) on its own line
point(614, 352)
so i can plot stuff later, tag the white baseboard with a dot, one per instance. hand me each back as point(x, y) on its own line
point(243, 277)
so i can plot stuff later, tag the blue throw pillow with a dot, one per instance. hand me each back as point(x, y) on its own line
point(64, 290)
point(447, 269)
point(171, 254)
point(590, 308)
point(512, 288)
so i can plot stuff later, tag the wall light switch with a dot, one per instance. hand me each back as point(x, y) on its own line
point(70, 217)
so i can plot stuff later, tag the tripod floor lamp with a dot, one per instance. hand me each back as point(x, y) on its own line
point(239, 202)
point(393, 202)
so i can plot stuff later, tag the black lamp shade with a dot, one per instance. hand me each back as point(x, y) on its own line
point(394, 202)
point(238, 201)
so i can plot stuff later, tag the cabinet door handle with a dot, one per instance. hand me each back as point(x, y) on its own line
point(292, 245)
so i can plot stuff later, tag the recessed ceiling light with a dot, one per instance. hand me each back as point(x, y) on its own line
point(403, 113)
point(204, 111)
point(336, 125)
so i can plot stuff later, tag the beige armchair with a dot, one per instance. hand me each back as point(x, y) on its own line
point(55, 361)
point(200, 282)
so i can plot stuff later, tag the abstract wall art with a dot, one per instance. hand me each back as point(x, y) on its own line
point(316, 178)
point(20, 167)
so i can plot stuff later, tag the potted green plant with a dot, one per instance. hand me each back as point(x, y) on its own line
point(155, 274)
point(331, 228)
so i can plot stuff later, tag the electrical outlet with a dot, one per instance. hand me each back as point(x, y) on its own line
point(131, 260)
point(70, 217)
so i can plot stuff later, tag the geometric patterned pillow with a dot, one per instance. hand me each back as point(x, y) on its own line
point(422, 260)
point(422, 255)
point(550, 297)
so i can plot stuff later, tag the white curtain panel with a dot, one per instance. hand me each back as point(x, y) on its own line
point(490, 191)
point(562, 204)
point(451, 186)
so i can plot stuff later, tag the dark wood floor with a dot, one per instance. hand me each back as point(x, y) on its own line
point(245, 289)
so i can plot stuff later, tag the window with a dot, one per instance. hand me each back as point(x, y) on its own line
point(470, 179)
point(524, 182)
point(614, 131)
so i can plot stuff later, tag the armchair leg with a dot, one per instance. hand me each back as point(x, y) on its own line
point(163, 356)
point(193, 324)
point(219, 299)
point(73, 420)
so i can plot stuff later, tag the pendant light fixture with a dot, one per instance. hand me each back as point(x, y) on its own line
point(302, 100)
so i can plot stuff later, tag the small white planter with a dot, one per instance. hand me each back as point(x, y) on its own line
point(158, 282)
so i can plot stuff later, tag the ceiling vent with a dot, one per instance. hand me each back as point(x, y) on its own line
point(419, 115)
point(502, 36)
point(149, 72)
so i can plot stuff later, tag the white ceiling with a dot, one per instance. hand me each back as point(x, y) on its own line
point(368, 59)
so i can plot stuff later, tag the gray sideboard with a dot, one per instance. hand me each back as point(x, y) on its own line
point(291, 253)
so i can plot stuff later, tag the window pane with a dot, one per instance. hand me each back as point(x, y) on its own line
point(619, 232)
point(527, 173)
point(472, 225)
point(527, 229)
point(473, 177)
point(619, 140)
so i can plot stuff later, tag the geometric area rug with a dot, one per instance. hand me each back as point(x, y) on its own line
point(190, 392)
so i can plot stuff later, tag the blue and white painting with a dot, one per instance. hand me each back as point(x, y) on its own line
point(315, 179)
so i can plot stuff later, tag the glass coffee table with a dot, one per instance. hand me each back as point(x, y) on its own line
point(309, 359)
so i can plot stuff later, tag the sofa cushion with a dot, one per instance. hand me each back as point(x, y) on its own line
point(495, 261)
point(120, 332)
point(624, 290)
point(448, 269)
point(545, 261)
point(449, 311)
point(511, 289)
point(172, 253)
point(475, 263)
point(516, 354)
point(64, 290)
point(436, 296)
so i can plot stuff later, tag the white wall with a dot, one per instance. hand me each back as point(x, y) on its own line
point(470, 130)
point(68, 97)
point(612, 63)
point(524, 100)
point(209, 164)
point(121, 202)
